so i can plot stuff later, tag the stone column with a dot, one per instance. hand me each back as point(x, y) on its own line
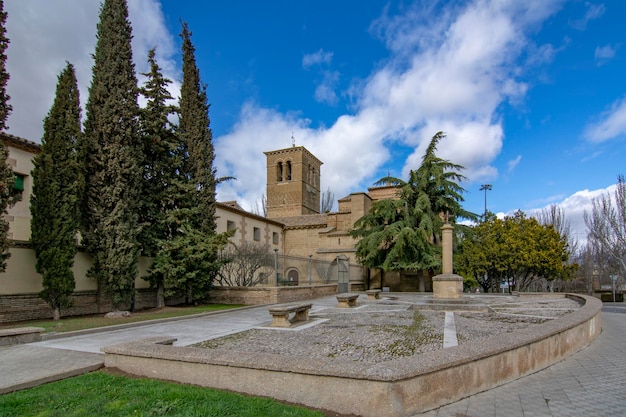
point(447, 284)
point(446, 248)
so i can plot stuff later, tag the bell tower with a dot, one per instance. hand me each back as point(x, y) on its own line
point(293, 182)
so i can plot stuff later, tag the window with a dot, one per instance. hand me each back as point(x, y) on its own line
point(275, 238)
point(18, 185)
point(230, 225)
point(288, 170)
point(256, 235)
point(279, 171)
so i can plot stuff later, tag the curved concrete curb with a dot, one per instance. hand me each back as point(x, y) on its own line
point(400, 387)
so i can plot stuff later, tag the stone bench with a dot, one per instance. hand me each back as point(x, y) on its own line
point(346, 300)
point(373, 294)
point(280, 314)
point(20, 335)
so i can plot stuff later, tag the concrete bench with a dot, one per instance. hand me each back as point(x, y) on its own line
point(280, 314)
point(346, 300)
point(20, 335)
point(373, 294)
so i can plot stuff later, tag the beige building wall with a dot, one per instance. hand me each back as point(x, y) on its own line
point(20, 158)
point(248, 227)
point(21, 277)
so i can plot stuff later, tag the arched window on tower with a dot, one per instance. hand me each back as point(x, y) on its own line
point(279, 171)
point(288, 170)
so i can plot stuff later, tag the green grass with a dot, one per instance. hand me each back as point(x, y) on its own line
point(89, 322)
point(102, 394)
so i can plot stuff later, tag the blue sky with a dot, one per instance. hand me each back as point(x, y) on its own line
point(531, 94)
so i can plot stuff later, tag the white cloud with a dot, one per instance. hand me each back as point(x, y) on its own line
point(604, 54)
point(45, 34)
point(610, 124)
point(574, 208)
point(317, 58)
point(325, 92)
point(514, 162)
point(594, 11)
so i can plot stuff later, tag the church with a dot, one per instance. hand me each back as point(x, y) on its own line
point(309, 247)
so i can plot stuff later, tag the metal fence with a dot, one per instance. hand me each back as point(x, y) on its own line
point(285, 270)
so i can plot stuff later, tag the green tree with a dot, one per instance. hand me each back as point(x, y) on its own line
point(54, 200)
point(187, 262)
point(518, 250)
point(167, 190)
point(404, 233)
point(112, 152)
point(196, 136)
point(7, 177)
point(5, 107)
point(162, 159)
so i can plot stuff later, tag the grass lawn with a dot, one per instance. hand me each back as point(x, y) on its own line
point(89, 322)
point(104, 394)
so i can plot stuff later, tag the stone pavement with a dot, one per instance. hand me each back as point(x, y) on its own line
point(589, 383)
point(592, 382)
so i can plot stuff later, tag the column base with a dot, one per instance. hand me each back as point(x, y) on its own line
point(447, 286)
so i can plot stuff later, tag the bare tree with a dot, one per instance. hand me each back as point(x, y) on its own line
point(324, 271)
point(245, 265)
point(327, 201)
point(607, 225)
point(555, 217)
point(260, 207)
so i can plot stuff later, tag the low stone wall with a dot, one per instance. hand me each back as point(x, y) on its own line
point(396, 388)
point(20, 335)
point(269, 295)
point(23, 307)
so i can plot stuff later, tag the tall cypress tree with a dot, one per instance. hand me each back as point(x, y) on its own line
point(54, 201)
point(161, 159)
point(187, 262)
point(165, 190)
point(196, 135)
point(112, 152)
point(7, 177)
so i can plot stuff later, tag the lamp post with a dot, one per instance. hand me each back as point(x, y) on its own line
point(613, 279)
point(485, 188)
point(310, 270)
point(276, 267)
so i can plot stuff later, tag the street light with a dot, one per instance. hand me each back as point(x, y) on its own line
point(310, 270)
point(486, 187)
point(275, 267)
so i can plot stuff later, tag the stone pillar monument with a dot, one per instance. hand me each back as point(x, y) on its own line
point(447, 284)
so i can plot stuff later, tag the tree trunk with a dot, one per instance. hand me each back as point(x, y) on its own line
point(56, 314)
point(160, 297)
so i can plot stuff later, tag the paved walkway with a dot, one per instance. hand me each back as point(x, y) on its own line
point(589, 383)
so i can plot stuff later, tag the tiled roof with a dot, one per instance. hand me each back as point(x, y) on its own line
point(304, 221)
point(20, 143)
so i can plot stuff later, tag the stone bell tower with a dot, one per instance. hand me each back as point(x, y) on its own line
point(293, 182)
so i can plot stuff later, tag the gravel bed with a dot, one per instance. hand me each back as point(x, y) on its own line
point(388, 329)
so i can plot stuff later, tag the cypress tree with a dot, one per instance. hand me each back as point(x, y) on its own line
point(54, 200)
point(112, 152)
point(196, 135)
point(161, 158)
point(187, 262)
point(164, 187)
point(7, 177)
